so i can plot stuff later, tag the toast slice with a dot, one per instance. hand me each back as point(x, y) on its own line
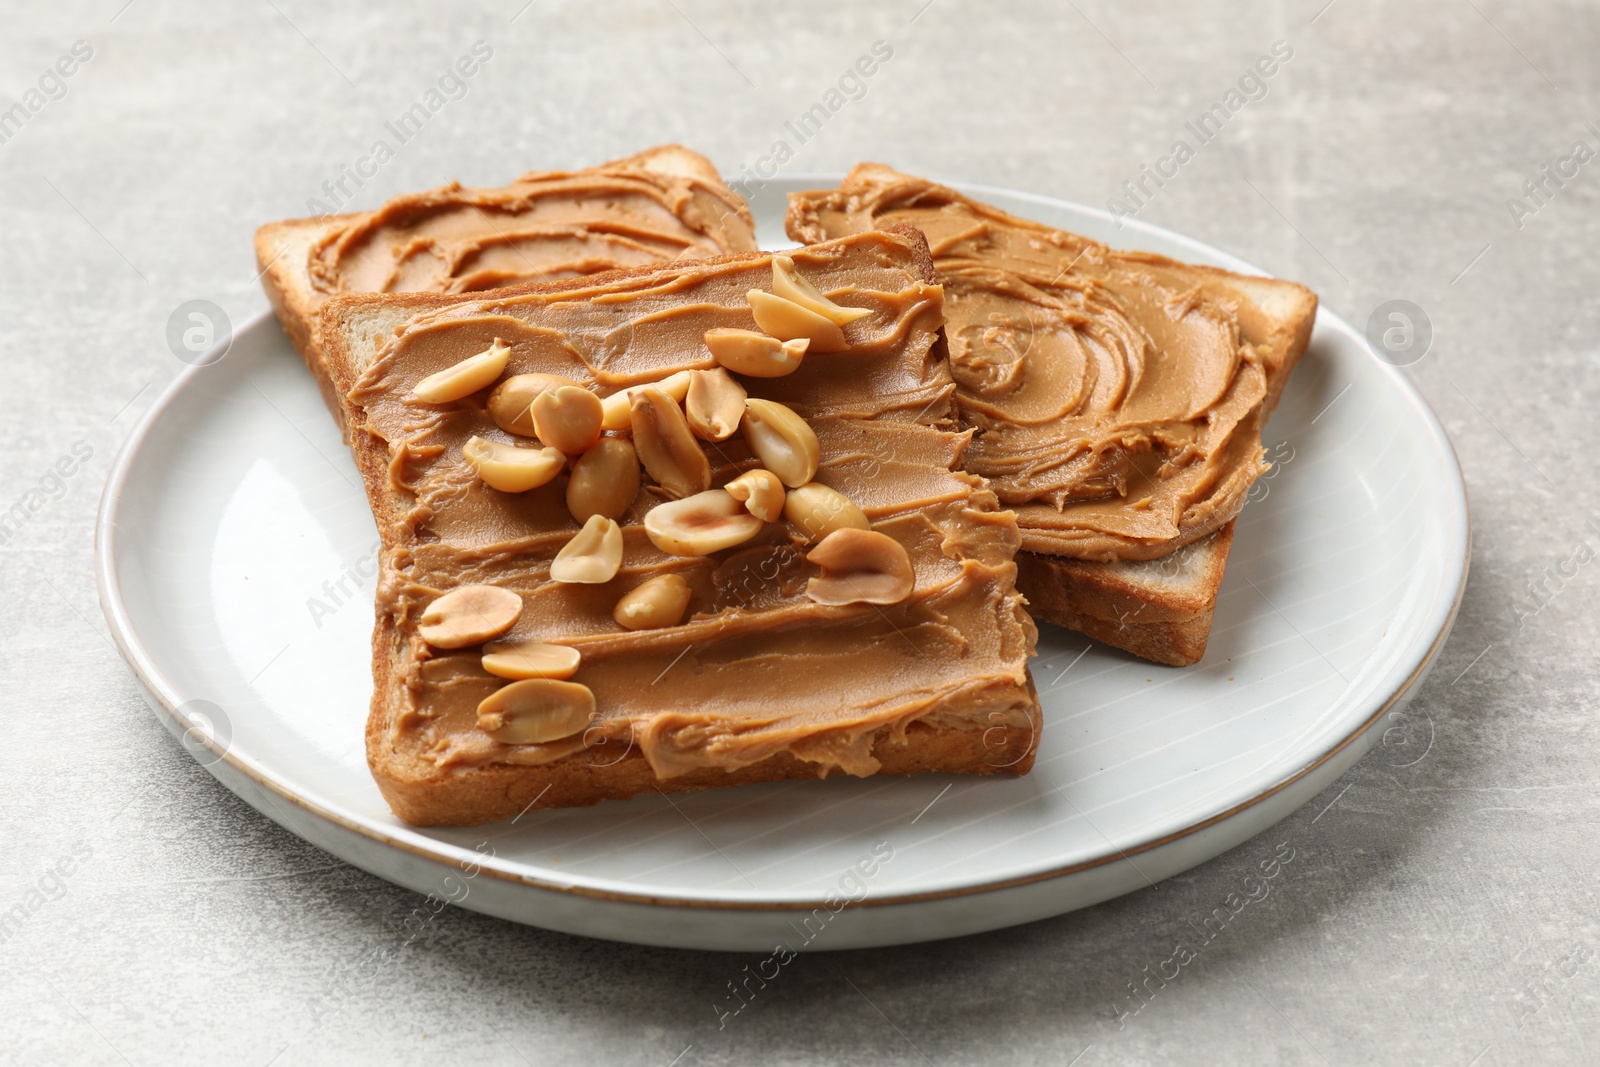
point(1158, 609)
point(1121, 582)
point(759, 682)
point(663, 204)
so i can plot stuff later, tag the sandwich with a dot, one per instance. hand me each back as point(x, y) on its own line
point(1116, 400)
point(677, 527)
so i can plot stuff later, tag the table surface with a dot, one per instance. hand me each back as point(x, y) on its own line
point(1442, 905)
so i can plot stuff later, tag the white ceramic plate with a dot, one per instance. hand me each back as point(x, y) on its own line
point(235, 559)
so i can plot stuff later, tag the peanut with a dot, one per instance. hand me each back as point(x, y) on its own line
point(511, 469)
point(818, 510)
point(530, 659)
point(667, 449)
point(659, 602)
point(509, 403)
point(469, 615)
point(466, 377)
point(788, 321)
point(760, 492)
point(568, 418)
point(701, 524)
point(593, 556)
point(714, 404)
point(618, 406)
point(535, 711)
point(788, 283)
point(604, 480)
point(782, 441)
point(756, 355)
point(860, 567)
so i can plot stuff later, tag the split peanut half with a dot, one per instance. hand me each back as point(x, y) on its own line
point(618, 406)
point(659, 602)
point(465, 378)
point(666, 447)
point(469, 615)
point(511, 469)
point(511, 399)
point(788, 321)
point(788, 283)
point(756, 355)
point(860, 567)
point(530, 659)
point(567, 417)
point(782, 441)
point(535, 711)
point(593, 556)
point(818, 510)
point(760, 492)
point(604, 480)
point(714, 404)
point(701, 524)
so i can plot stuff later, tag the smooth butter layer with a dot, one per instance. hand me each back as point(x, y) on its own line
point(758, 668)
point(542, 227)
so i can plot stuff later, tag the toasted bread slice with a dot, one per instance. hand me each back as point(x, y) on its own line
point(662, 204)
point(759, 683)
point(1160, 607)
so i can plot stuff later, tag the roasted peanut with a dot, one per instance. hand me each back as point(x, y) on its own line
point(667, 449)
point(788, 283)
point(701, 524)
point(469, 615)
point(714, 404)
point(568, 418)
point(530, 659)
point(511, 469)
point(782, 441)
point(593, 556)
point(788, 321)
point(511, 399)
point(860, 567)
point(536, 710)
point(618, 406)
point(756, 355)
point(818, 510)
point(760, 492)
point(659, 602)
point(466, 377)
point(604, 480)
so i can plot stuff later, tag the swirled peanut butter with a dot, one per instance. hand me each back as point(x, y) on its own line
point(1117, 402)
point(655, 207)
point(757, 668)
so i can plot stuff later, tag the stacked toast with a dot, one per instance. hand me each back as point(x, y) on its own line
point(660, 511)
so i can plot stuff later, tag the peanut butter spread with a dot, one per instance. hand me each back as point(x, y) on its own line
point(650, 208)
point(756, 667)
point(1117, 402)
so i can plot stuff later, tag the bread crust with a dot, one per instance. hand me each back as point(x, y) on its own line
point(1121, 606)
point(275, 259)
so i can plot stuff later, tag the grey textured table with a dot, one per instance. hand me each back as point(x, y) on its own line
point(1442, 907)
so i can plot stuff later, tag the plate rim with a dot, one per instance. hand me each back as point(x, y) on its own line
point(155, 683)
